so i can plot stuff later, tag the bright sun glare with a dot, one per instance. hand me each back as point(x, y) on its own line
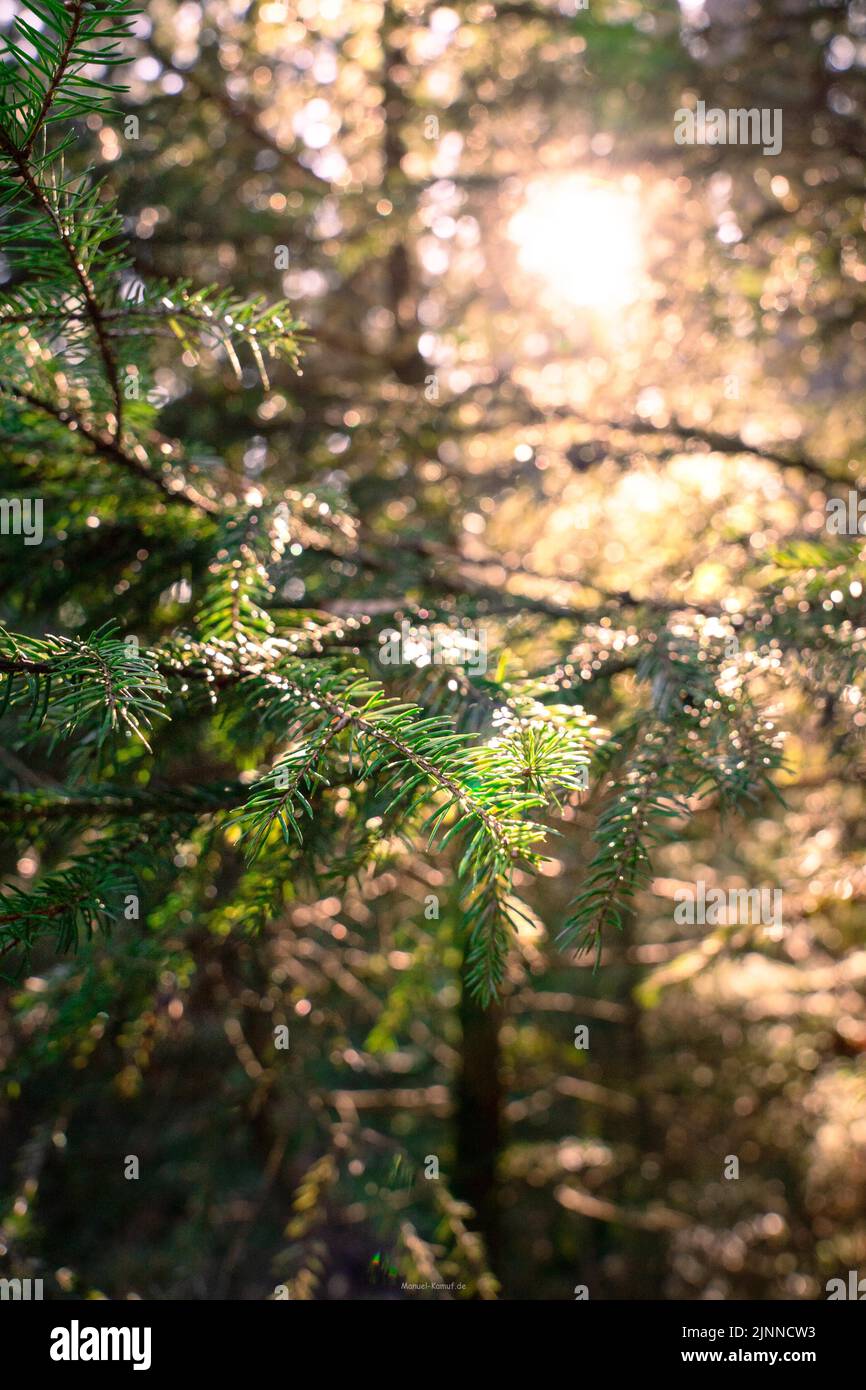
point(583, 238)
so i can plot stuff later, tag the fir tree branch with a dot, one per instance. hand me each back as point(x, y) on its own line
point(75, 10)
point(108, 447)
point(86, 896)
point(99, 685)
point(19, 158)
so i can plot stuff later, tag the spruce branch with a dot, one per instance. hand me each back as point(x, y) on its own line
point(645, 797)
point(63, 236)
point(85, 896)
point(107, 446)
point(98, 686)
point(70, 220)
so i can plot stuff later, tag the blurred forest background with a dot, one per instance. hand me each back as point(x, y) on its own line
point(555, 362)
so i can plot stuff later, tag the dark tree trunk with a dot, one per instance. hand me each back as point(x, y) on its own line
point(479, 1120)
